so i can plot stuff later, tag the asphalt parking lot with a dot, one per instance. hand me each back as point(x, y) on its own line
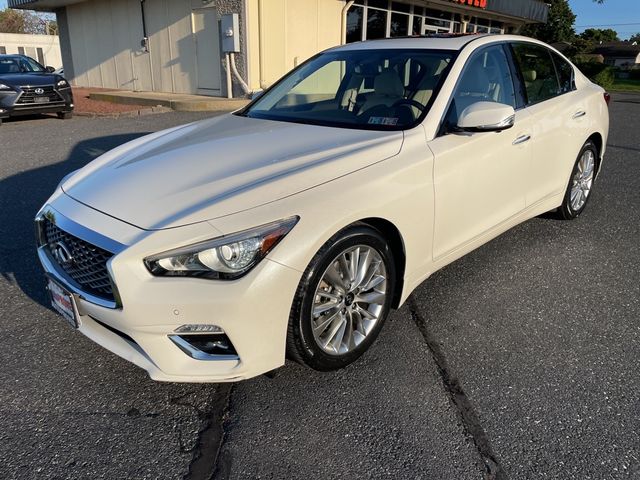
point(519, 361)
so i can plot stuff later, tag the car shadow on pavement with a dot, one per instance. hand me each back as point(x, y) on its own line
point(22, 195)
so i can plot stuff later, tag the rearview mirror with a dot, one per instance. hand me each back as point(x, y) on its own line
point(50, 69)
point(486, 117)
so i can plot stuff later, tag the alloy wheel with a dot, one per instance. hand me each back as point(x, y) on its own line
point(582, 180)
point(349, 299)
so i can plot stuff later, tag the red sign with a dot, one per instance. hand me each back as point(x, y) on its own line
point(473, 3)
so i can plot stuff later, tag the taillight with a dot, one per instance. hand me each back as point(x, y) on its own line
point(607, 97)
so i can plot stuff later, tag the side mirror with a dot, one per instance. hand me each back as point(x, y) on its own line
point(255, 94)
point(49, 69)
point(486, 117)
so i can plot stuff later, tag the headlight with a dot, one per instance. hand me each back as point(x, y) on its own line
point(62, 84)
point(226, 257)
point(5, 87)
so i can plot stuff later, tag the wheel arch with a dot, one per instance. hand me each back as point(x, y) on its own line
point(396, 242)
point(597, 139)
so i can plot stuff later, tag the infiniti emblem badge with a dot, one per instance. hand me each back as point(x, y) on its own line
point(39, 91)
point(62, 254)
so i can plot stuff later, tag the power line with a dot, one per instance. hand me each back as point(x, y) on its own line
point(608, 25)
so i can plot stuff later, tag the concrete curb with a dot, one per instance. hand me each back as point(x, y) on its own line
point(202, 104)
point(129, 114)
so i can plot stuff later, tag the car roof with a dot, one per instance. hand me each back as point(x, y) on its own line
point(452, 42)
point(431, 42)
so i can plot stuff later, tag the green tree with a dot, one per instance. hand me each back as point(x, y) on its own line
point(597, 35)
point(20, 21)
point(635, 38)
point(559, 26)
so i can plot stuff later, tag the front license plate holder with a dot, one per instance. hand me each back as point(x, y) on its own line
point(63, 302)
point(41, 100)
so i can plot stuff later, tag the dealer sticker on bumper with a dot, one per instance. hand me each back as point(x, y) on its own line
point(63, 302)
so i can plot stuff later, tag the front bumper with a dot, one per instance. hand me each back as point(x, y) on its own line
point(11, 106)
point(253, 311)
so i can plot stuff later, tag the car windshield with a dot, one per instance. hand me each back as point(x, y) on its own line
point(19, 65)
point(373, 89)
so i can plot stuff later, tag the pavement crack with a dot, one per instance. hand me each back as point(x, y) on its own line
point(463, 406)
point(204, 462)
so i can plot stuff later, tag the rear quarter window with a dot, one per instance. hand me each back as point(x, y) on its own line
point(565, 73)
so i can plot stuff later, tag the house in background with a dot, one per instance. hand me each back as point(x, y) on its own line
point(175, 45)
point(619, 54)
point(43, 48)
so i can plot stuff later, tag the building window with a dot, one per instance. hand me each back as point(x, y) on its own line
point(376, 23)
point(416, 25)
point(399, 25)
point(40, 54)
point(3, 50)
point(21, 50)
point(484, 25)
point(355, 20)
point(372, 19)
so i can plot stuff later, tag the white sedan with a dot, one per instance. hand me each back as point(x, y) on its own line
point(212, 251)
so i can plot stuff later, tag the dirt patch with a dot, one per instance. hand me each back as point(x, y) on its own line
point(83, 104)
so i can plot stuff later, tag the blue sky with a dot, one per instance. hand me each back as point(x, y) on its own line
point(614, 12)
point(617, 13)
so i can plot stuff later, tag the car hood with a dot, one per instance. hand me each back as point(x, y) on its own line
point(221, 166)
point(29, 79)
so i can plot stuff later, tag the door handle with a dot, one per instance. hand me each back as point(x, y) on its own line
point(579, 114)
point(521, 139)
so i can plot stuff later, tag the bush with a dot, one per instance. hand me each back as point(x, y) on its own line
point(634, 74)
point(599, 73)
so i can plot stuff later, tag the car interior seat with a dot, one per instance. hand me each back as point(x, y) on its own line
point(387, 90)
point(426, 85)
point(532, 84)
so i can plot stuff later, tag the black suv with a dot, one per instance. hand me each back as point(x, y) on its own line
point(26, 87)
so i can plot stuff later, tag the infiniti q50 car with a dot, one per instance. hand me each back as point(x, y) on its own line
point(213, 251)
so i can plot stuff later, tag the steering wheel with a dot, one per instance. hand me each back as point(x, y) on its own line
point(411, 102)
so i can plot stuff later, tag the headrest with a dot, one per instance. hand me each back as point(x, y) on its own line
point(529, 75)
point(388, 83)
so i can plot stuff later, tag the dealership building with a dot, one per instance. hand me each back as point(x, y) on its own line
point(180, 46)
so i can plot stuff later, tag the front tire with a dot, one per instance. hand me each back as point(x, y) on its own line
point(343, 300)
point(581, 183)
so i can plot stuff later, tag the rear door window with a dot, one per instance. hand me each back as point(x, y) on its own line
point(538, 72)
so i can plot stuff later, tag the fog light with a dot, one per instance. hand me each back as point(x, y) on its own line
point(196, 328)
point(206, 346)
point(210, 344)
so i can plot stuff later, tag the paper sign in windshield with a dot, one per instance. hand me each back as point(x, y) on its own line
point(383, 121)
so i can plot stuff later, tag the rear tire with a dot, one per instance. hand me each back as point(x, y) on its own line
point(65, 115)
point(342, 300)
point(580, 187)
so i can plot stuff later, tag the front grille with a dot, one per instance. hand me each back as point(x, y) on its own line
point(88, 265)
point(29, 94)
